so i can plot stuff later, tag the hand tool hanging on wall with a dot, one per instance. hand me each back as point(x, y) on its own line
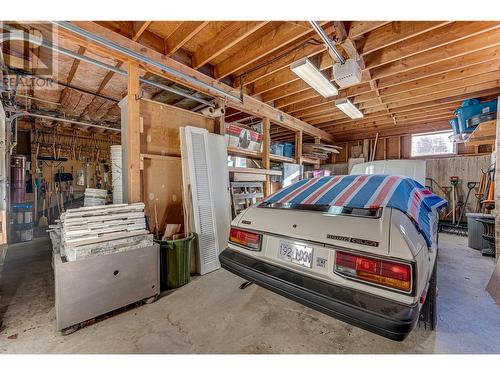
point(480, 191)
point(43, 221)
point(471, 186)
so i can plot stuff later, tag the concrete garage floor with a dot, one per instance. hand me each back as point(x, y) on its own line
point(211, 315)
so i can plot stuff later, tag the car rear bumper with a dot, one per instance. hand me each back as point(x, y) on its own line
point(381, 316)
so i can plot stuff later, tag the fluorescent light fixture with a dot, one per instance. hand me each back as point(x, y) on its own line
point(314, 78)
point(346, 106)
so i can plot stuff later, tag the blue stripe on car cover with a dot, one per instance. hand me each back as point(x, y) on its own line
point(366, 192)
point(336, 190)
point(283, 193)
point(310, 190)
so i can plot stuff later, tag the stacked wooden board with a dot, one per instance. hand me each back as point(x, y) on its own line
point(319, 150)
point(95, 197)
point(84, 232)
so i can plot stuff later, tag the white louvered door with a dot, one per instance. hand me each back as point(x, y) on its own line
point(201, 194)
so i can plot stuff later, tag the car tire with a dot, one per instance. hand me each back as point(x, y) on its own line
point(428, 313)
point(432, 299)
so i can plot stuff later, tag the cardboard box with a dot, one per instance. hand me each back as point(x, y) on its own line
point(238, 136)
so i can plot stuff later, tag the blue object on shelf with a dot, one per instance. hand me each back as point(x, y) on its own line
point(464, 112)
point(287, 149)
point(276, 148)
point(17, 207)
point(454, 125)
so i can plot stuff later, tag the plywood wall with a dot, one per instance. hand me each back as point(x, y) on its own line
point(161, 124)
point(160, 147)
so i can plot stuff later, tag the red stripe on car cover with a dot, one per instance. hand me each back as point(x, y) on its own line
point(382, 194)
point(321, 190)
point(360, 180)
point(296, 192)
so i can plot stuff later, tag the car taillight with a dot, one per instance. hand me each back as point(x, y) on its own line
point(386, 273)
point(244, 238)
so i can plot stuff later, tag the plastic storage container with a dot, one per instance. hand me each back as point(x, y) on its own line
point(288, 149)
point(21, 222)
point(467, 110)
point(175, 262)
point(276, 149)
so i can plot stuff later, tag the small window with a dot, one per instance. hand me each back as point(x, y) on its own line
point(432, 144)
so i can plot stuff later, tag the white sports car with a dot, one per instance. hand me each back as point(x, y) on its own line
point(359, 248)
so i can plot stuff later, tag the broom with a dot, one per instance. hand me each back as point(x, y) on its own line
point(43, 222)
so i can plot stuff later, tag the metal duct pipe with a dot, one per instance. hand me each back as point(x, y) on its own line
point(17, 115)
point(127, 52)
point(329, 43)
point(38, 41)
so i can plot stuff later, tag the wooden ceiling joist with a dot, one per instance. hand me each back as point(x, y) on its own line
point(449, 51)
point(358, 28)
point(308, 50)
point(471, 71)
point(229, 37)
point(392, 33)
point(139, 28)
point(449, 33)
point(183, 34)
point(441, 67)
point(285, 33)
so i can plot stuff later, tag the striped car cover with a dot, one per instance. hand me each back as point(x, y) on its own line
point(368, 191)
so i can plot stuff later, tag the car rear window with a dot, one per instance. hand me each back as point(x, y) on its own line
point(336, 210)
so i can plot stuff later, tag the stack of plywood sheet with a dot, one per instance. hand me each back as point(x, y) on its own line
point(88, 231)
point(319, 150)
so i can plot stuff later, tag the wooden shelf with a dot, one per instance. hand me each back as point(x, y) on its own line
point(309, 160)
point(159, 157)
point(244, 153)
point(282, 159)
point(484, 134)
point(270, 172)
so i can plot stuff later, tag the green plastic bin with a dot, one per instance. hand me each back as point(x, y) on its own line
point(175, 262)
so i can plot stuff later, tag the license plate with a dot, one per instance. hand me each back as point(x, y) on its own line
point(298, 254)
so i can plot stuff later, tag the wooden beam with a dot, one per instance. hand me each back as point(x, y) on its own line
point(139, 28)
point(387, 126)
point(309, 49)
point(394, 32)
point(283, 34)
point(413, 90)
point(445, 86)
point(421, 105)
point(430, 40)
point(441, 67)
point(74, 66)
point(298, 147)
point(133, 135)
point(250, 105)
point(449, 51)
point(318, 100)
point(226, 39)
point(183, 34)
point(358, 28)
point(474, 70)
point(266, 161)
